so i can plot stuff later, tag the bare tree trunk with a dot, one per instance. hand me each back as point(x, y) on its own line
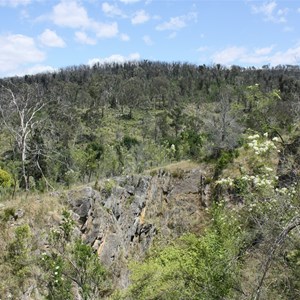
point(23, 105)
point(24, 172)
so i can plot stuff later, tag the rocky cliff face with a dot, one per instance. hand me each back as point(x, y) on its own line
point(122, 219)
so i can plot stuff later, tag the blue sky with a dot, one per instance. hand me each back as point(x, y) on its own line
point(45, 35)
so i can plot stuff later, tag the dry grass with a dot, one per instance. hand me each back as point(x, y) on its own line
point(185, 165)
point(39, 211)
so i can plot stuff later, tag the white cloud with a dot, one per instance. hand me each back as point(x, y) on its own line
point(229, 55)
point(266, 55)
point(124, 37)
point(289, 57)
point(282, 12)
point(105, 30)
point(51, 39)
point(17, 50)
point(270, 12)
point(14, 3)
point(82, 38)
point(129, 1)
point(147, 40)
point(71, 14)
point(140, 17)
point(115, 58)
point(264, 51)
point(281, 15)
point(266, 8)
point(36, 69)
point(111, 10)
point(134, 56)
point(176, 23)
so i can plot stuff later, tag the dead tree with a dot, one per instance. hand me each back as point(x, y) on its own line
point(19, 108)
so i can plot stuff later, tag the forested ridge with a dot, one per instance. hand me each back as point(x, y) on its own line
point(82, 111)
point(88, 125)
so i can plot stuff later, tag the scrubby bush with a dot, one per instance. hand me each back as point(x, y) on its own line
point(5, 179)
point(192, 267)
point(108, 186)
point(7, 214)
point(129, 142)
point(224, 159)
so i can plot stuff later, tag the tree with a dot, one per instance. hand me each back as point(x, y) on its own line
point(263, 109)
point(159, 87)
point(20, 107)
point(222, 121)
point(130, 94)
point(87, 160)
point(177, 116)
point(100, 92)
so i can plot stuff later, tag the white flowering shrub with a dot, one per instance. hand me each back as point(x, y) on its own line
point(226, 181)
point(257, 183)
point(261, 144)
point(257, 174)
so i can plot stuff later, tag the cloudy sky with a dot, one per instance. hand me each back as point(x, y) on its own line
point(45, 35)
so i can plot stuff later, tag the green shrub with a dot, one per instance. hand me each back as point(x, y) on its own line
point(6, 179)
point(67, 224)
point(108, 186)
point(224, 159)
point(70, 177)
point(18, 252)
point(191, 267)
point(240, 186)
point(194, 141)
point(129, 142)
point(8, 213)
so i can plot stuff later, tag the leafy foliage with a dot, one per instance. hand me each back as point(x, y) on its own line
point(71, 263)
point(201, 110)
point(193, 267)
point(266, 212)
point(5, 179)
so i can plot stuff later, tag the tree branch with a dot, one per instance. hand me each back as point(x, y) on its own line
point(295, 222)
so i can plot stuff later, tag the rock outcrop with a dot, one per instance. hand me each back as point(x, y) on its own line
point(122, 219)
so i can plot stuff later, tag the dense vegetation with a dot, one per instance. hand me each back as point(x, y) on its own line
point(85, 123)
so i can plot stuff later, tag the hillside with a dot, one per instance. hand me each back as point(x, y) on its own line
point(150, 181)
